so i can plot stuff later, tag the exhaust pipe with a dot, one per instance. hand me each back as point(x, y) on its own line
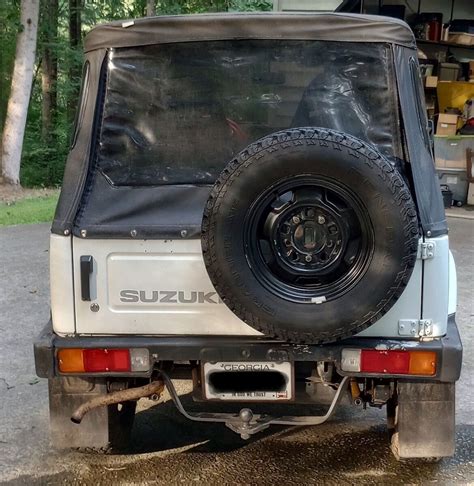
point(153, 388)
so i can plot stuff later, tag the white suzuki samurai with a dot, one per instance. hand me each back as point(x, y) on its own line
point(251, 200)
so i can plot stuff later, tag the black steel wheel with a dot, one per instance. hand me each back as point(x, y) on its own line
point(310, 235)
point(308, 238)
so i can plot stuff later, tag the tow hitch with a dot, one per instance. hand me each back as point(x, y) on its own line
point(246, 423)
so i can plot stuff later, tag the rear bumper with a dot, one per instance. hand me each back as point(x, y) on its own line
point(215, 348)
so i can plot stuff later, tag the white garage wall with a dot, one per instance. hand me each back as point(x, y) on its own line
point(306, 5)
point(462, 9)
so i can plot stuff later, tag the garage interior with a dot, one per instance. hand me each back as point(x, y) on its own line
point(444, 30)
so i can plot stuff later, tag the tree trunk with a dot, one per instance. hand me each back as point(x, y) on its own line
point(150, 8)
point(49, 68)
point(75, 41)
point(17, 110)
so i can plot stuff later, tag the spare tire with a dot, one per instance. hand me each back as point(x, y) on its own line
point(310, 235)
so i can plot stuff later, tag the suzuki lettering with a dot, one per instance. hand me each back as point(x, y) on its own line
point(168, 297)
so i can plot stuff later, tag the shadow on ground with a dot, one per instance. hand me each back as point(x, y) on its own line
point(168, 449)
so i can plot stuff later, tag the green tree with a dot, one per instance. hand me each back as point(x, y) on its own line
point(9, 27)
point(54, 96)
point(18, 101)
point(49, 67)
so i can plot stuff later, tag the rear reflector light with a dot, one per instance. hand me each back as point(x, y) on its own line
point(392, 362)
point(100, 360)
point(103, 360)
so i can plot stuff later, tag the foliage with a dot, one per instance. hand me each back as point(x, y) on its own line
point(200, 6)
point(43, 160)
point(33, 210)
point(9, 25)
point(251, 5)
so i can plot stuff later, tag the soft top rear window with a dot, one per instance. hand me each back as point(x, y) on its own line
point(177, 113)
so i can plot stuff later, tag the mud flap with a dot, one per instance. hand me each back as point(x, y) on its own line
point(99, 429)
point(424, 420)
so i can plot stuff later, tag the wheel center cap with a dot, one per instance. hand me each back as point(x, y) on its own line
point(309, 237)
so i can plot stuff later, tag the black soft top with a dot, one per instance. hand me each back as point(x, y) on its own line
point(92, 206)
point(210, 27)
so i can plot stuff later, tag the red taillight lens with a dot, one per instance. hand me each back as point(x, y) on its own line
point(97, 360)
point(393, 362)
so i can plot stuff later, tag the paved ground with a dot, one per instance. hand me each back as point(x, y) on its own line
point(350, 449)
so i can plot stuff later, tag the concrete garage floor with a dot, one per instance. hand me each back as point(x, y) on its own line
point(351, 448)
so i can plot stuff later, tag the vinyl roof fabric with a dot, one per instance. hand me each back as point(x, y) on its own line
point(209, 27)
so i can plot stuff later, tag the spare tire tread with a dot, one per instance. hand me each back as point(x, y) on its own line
point(337, 140)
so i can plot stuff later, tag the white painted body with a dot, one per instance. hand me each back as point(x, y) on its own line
point(178, 266)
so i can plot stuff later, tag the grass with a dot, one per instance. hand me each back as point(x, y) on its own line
point(30, 210)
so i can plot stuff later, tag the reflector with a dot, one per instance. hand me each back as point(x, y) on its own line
point(97, 360)
point(392, 362)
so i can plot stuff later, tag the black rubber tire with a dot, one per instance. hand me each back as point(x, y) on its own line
point(347, 161)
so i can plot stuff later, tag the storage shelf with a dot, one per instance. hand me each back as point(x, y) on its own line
point(445, 44)
point(456, 137)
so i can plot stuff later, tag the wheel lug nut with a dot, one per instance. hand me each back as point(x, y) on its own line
point(308, 258)
point(310, 213)
point(321, 219)
point(296, 219)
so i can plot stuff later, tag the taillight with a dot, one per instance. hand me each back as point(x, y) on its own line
point(102, 360)
point(392, 362)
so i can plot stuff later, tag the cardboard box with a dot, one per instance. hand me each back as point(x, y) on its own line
point(431, 81)
point(461, 38)
point(447, 124)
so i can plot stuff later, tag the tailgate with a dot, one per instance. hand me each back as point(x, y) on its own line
point(149, 287)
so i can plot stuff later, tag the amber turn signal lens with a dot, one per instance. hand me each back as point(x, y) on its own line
point(70, 361)
point(422, 363)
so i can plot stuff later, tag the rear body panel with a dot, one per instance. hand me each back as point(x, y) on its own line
point(61, 281)
point(161, 287)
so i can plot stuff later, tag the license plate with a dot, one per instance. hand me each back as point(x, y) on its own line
point(248, 381)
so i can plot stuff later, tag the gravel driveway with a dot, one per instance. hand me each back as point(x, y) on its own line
point(351, 448)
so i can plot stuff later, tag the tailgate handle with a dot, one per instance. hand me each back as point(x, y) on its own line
point(87, 267)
